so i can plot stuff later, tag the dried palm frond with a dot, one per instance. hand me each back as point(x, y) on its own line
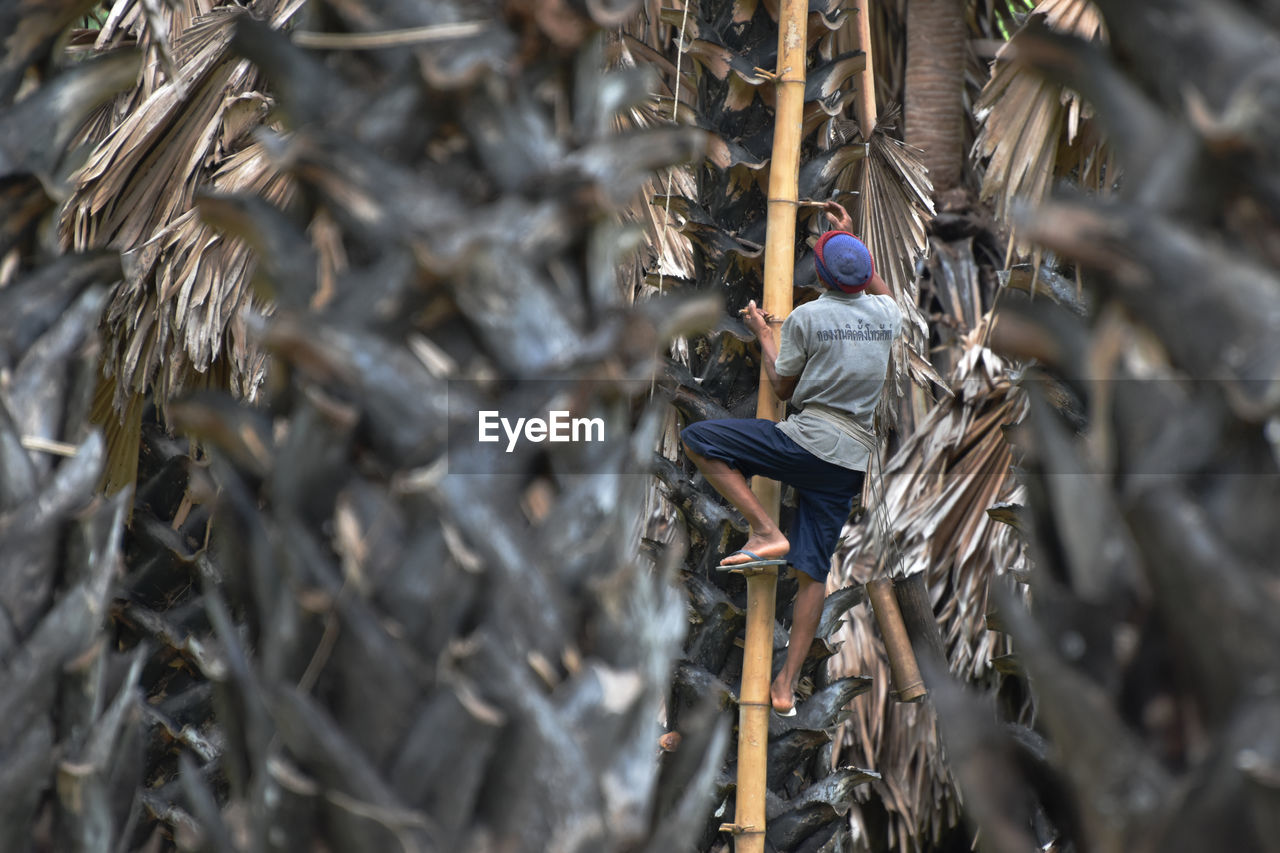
point(893, 209)
point(936, 491)
point(1032, 130)
point(666, 251)
point(185, 128)
point(894, 206)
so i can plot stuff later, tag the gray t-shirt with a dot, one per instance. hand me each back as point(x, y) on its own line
point(838, 345)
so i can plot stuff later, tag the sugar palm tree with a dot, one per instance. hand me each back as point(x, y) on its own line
point(1116, 751)
point(315, 633)
point(1141, 740)
point(721, 85)
point(340, 642)
point(716, 58)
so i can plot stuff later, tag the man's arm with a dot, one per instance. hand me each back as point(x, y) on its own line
point(877, 286)
point(758, 322)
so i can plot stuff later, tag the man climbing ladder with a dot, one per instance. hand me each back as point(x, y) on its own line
point(831, 365)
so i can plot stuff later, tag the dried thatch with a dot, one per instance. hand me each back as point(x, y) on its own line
point(934, 496)
point(187, 127)
point(1034, 130)
point(668, 253)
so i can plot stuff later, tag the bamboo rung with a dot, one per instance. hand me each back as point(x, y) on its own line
point(735, 829)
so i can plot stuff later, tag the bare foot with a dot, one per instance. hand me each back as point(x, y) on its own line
point(781, 696)
point(767, 547)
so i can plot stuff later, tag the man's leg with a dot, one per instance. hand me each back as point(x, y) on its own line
point(765, 539)
point(804, 624)
point(821, 510)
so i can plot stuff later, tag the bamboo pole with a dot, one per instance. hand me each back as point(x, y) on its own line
point(908, 684)
point(865, 111)
point(779, 266)
point(864, 103)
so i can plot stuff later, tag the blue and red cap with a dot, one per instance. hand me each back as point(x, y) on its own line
point(843, 262)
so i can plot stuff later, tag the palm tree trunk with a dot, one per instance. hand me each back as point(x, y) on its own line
point(935, 108)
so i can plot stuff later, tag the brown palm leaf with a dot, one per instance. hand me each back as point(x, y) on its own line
point(186, 127)
point(666, 252)
point(1032, 130)
point(933, 496)
point(894, 206)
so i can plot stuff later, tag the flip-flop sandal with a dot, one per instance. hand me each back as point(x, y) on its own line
point(790, 713)
point(755, 562)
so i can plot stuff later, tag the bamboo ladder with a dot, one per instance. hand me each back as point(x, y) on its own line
point(779, 266)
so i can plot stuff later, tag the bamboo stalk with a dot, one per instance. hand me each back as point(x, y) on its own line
point(754, 706)
point(779, 266)
point(47, 445)
point(908, 685)
point(389, 38)
point(864, 104)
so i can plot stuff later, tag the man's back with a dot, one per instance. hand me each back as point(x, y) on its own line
point(839, 346)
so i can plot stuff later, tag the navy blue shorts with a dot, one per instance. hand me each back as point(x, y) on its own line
point(824, 490)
